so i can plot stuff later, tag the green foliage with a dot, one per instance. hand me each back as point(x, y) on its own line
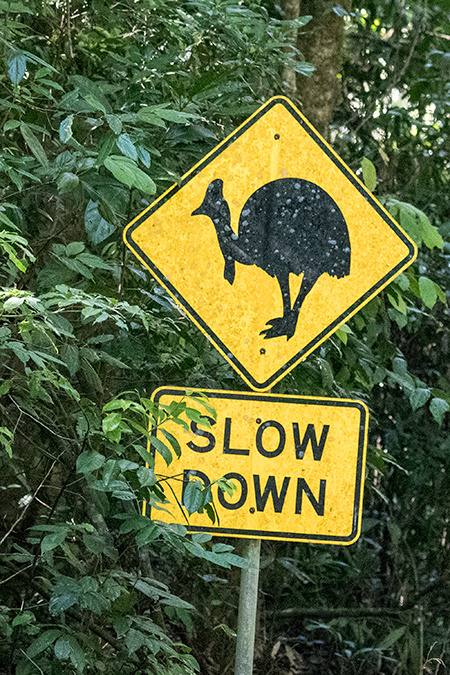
point(82, 322)
point(416, 224)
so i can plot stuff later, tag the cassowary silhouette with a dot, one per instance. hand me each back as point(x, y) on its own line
point(289, 225)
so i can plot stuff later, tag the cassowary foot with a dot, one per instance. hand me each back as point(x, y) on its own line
point(283, 325)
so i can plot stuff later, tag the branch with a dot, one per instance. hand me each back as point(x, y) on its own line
point(24, 412)
point(17, 521)
point(338, 612)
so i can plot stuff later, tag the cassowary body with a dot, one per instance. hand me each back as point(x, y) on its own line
point(287, 226)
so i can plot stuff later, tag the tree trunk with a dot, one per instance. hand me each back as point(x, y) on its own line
point(321, 43)
point(291, 10)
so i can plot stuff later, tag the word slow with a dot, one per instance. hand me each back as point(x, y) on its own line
point(300, 444)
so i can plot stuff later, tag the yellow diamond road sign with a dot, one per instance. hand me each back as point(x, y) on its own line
point(297, 462)
point(270, 243)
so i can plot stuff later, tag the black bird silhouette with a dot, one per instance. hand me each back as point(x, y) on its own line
point(289, 225)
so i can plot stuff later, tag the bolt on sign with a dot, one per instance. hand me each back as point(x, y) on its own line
point(297, 463)
point(270, 243)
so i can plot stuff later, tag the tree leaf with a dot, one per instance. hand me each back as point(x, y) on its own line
point(14, 7)
point(162, 449)
point(438, 408)
point(146, 476)
point(340, 11)
point(193, 496)
point(173, 441)
point(398, 302)
point(54, 539)
point(115, 123)
point(392, 638)
point(33, 143)
point(62, 648)
point(17, 66)
point(147, 589)
point(300, 22)
point(342, 335)
point(419, 397)
point(41, 643)
point(24, 618)
point(94, 102)
point(149, 117)
point(13, 302)
point(304, 68)
point(126, 171)
point(174, 601)
point(94, 543)
point(76, 654)
point(409, 217)
point(91, 376)
point(89, 461)
point(125, 145)
point(35, 59)
point(66, 593)
point(67, 182)
point(369, 174)
point(20, 351)
point(97, 228)
point(111, 422)
point(106, 148)
point(134, 639)
point(400, 366)
point(65, 128)
point(144, 156)
point(173, 115)
point(428, 291)
point(430, 234)
point(74, 248)
point(11, 124)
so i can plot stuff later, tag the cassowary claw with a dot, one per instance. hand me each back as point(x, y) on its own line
point(283, 325)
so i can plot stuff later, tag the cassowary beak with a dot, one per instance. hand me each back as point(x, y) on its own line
point(198, 212)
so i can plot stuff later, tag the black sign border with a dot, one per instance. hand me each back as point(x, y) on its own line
point(190, 310)
point(280, 398)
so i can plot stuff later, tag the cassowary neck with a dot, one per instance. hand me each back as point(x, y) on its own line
point(221, 219)
point(229, 242)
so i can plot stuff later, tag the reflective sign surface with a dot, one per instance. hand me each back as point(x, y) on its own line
point(270, 243)
point(298, 465)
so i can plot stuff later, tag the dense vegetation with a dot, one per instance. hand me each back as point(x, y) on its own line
point(104, 105)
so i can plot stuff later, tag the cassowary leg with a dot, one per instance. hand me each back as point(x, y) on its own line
point(280, 325)
point(287, 324)
point(283, 280)
point(307, 284)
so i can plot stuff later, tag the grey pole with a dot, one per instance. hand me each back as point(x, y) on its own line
point(248, 600)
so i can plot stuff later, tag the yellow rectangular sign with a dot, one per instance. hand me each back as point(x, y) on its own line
point(298, 464)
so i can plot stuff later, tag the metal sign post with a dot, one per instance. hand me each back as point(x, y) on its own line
point(248, 602)
point(298, 466)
